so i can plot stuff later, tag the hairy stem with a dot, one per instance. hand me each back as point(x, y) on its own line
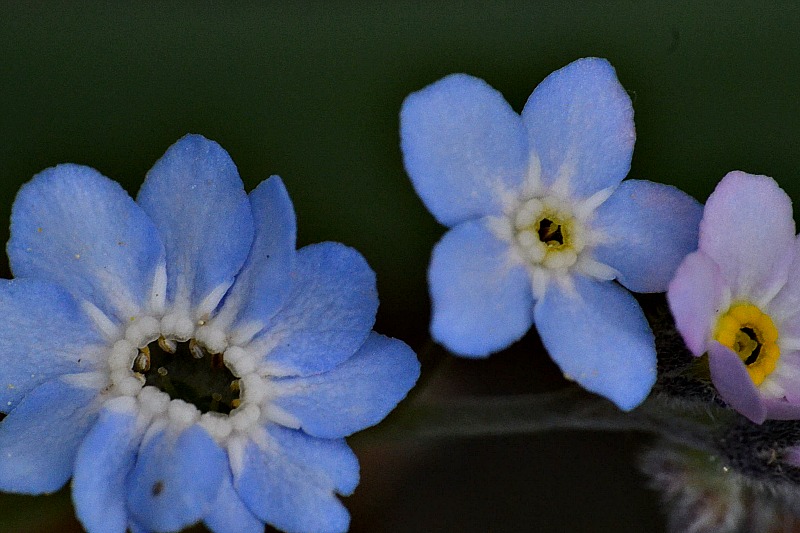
point(571, 408)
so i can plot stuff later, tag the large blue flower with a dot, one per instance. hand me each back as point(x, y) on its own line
point(542, 223)
point(179, 359)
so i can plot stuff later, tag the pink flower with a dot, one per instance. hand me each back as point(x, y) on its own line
point(737, 297)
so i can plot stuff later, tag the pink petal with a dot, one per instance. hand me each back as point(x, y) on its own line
point(733, 383)
point(697, 295)
point(748, 229)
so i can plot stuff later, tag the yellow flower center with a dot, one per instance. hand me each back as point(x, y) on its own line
point(753, 336)
point(547, 233)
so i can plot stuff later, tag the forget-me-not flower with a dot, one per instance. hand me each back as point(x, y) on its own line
point(541, 223)
point(179, 359)
point(737, 297)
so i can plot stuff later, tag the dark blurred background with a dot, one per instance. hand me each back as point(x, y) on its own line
point(311, 91)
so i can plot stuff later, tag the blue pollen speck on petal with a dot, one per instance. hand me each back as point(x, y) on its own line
point(162, 351)
point(541, 223)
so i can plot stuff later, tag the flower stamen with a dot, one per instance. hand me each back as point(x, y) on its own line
point(142, 362)
point(168, 345)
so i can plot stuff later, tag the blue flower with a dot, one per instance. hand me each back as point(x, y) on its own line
point(179, 359)
point(541, 223)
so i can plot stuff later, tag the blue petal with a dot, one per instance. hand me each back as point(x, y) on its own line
point(40, 437)
point(290, 484)
point(600, 338)
point(580, 124)
point(328, 315)
point(264, 283)
point(197, 201)
point(652, 227)
point(136, 528)
point(356, 394)
point(462, 145)
point(176, 479)
point(105, 458)
point(76, 228)
point(482, 300)
point(43, 334)
point(329, 462)
point(229, 514)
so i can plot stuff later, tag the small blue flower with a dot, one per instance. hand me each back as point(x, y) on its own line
point(179, 359)
point(541, 223)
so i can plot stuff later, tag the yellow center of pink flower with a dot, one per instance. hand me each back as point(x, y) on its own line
point(749, 332)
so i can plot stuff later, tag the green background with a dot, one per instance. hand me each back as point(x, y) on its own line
point(312, 91)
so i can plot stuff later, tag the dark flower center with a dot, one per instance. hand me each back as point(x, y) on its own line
point(748, 345)
point(187, 371)
point(550, 232)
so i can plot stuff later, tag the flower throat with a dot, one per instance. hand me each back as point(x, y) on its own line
point(752, 335)
point(187, 371)
point(550, 232)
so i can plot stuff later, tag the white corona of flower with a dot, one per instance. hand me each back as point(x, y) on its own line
point(551, 232)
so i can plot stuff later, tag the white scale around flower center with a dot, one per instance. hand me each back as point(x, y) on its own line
point(528, 221)
point(156, 405)
point(550, 232)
